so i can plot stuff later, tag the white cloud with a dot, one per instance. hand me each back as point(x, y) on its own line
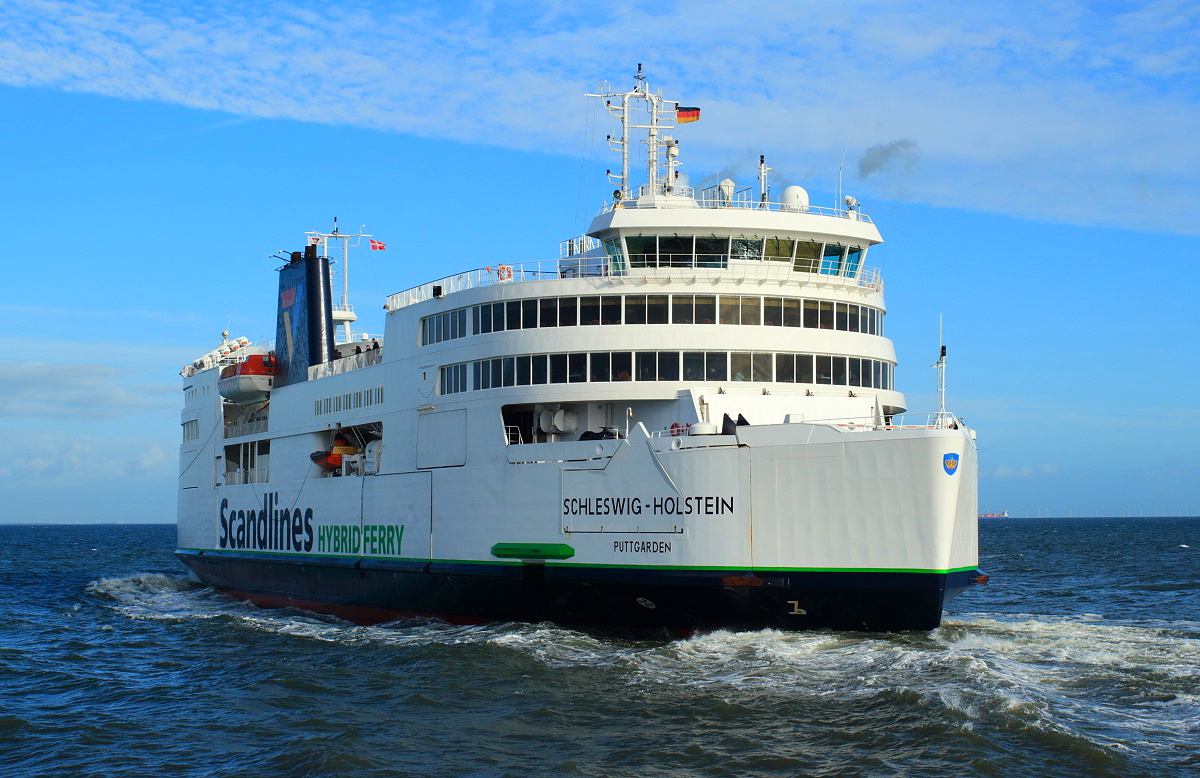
point(77, 391)
point(1072, 113)
point(73, 461)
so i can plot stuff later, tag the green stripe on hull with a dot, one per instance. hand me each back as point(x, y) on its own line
point(526, 551)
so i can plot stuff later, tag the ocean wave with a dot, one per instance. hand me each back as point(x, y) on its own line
point(1087, 688)
point(1080, 683)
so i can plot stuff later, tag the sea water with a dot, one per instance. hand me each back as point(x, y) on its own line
point(1080, 657)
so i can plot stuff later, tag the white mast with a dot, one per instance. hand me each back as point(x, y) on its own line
point(941, 377)
point(654, 106)
point(343, 312)
point(764, 189)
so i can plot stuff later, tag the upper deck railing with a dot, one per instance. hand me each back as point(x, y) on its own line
point(716, 198)
point(867, 278)
point(345, 364)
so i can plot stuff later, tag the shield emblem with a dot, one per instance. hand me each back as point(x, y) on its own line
point(950, 463)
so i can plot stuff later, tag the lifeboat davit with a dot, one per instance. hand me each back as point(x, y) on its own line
point(248, 381)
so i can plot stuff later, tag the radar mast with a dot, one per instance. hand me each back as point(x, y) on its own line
point(343, 312)
point(660, 111)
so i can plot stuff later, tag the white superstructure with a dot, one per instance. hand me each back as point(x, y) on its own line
point(687, 420)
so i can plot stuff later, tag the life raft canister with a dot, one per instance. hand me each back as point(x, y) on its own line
point(676, 429)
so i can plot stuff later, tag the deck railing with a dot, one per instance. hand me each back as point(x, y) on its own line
point(740, 198)
point(371, 356)
point(251, 475)
point(867, 278)
point(932, 420)
point(241, 428)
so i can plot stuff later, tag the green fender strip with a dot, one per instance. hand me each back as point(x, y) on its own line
point(532, 551)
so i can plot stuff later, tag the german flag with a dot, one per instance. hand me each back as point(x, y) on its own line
point(684, 115)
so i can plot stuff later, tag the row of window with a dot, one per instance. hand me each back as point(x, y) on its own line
point(444, 326)
point(805, 256)
point(191, 430)
point(607, 366)
point(348, 401)
point(651, 309)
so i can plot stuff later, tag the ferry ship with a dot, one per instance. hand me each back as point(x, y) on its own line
point(686, 421)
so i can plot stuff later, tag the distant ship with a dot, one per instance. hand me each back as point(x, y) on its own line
point(994, 515)
point(686, 421)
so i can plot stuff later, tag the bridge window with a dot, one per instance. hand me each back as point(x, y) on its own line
point(746, 249)
point(831, 259)
point(779, 249)
point(852, 259)
point(643, 250)
point(712, 252)
point(675, 250)
point(616, 259)
point(808, 253)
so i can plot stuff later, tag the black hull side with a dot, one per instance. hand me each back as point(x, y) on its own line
point(624, 599)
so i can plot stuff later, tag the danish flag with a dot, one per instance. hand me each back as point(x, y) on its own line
point(378, 245)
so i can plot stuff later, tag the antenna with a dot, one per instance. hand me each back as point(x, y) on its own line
point(941, 377)
point(841, 164)
point(764, 188)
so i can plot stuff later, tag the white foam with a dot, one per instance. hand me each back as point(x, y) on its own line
point(1024, 671)
point(152, 596)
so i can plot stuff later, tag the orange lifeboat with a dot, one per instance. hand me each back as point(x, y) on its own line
point(331, 460)
point(326, 460)
point(248, 381)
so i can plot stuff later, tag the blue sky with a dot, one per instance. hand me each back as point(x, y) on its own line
point(1033, 167)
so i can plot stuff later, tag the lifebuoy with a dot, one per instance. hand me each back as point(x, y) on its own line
point(676, 429)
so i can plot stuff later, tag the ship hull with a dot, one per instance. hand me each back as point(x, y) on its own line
point(622, 599)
